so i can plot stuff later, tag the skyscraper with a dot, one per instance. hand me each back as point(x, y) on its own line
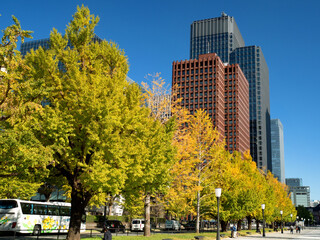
point(215, 35)
point(219, 89)
point(221, 35)
point(277, 147)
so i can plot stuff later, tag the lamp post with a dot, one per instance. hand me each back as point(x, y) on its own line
point(291, 217)
point(281, 212)
point(218, 195)
point(263, 231)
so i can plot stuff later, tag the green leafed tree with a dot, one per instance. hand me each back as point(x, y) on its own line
point(22, 157)
point(90, 114)
point(149, 174)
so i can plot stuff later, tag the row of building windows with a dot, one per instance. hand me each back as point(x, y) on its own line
point(196, 64)
point(196, 71)
point(196, 77)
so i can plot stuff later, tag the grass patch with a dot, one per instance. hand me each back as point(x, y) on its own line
point(176, 236)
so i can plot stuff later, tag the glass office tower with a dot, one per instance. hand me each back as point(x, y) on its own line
point(221, 35)
point(215, 35)
point(277, 147)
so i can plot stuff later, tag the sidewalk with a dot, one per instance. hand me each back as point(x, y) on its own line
point(274, 236)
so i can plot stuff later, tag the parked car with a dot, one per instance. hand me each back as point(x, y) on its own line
point(189, 226)
point(115, 226)
point(172, 225)
point(137, 225)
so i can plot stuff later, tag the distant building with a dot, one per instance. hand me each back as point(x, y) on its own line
point(34, 44)
point(294, 182)
point(221, 35)
point(277, 147)
point(44, 43)
point(300, 195)
point(314, 203)
point(221, 90)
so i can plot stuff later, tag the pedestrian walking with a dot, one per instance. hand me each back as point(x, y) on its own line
point(233, 232)
point(291, 229)
point(107, 234)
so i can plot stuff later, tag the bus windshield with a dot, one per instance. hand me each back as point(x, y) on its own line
point(8, 204)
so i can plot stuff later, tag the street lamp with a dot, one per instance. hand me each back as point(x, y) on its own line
point(263, 231)
point(291, 217)
point(281, 212)
point(218, 195)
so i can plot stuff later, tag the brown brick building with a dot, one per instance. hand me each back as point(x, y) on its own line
point(223, 91)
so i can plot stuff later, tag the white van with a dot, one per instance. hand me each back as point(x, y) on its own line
point(172, 225)
point(137, 225)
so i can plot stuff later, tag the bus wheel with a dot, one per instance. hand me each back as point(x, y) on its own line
point(36, 230)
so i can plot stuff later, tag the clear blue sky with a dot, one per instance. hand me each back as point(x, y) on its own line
point(155, 33)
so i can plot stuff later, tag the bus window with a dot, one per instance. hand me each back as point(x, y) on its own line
point(53, 210)
point(8, 204)
point(26, 208)
point(65, 211)
point(40, 209)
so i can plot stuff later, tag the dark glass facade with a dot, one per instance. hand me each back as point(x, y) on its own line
point(44, 43)
point(35, 44)
point(215, 35)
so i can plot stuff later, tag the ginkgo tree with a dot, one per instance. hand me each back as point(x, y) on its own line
point(83, 114)
point(199, 145)
point(22, 157)
point(148, 175)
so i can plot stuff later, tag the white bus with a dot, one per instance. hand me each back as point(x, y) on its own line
point(35, 217)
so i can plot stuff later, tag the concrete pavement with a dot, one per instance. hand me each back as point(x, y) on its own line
point(311, 234)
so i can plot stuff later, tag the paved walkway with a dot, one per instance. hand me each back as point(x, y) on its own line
point(311, 234)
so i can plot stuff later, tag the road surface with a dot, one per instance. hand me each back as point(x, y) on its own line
point(310, 234)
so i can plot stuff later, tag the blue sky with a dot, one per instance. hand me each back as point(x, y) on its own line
point(155, 33)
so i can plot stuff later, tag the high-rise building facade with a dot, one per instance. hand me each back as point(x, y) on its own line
point(44, 43)
point(221, 90)
point(300, 195)
point(34, 44)
point(294, 182)
point(277, 146)
point(221, 35)
point(215, 35)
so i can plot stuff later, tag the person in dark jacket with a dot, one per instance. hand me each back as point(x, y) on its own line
point(107, 234)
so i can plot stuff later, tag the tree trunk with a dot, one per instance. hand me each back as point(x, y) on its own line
point(224, 226)
point(249, 222)
point(110, 204)
point(198, 212)
point(239, 225)
point(257, 223)
point(79, 201)
point(147, 215)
